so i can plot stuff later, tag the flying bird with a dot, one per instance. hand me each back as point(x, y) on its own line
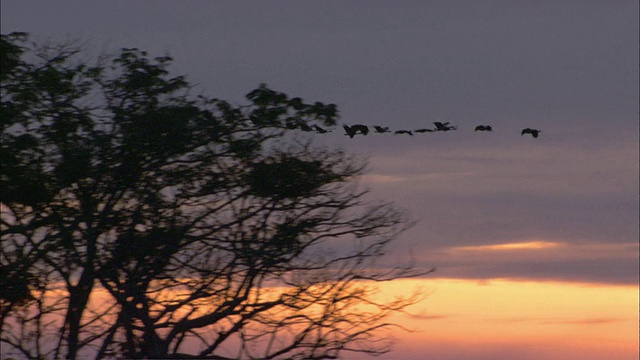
point(404, 132)
point(444, 126)
point(483, 128)
point(351, 132)
point(440, 126)
point(381, 130)
point(355, 129)
point(533, 132)
point(363, 129)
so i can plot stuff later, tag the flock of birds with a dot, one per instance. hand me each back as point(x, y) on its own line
point(359, 129)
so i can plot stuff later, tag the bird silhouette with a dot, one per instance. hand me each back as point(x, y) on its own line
point(404, 132)
point(444, 126)
point(355, 129)
point(363, 129)
point(381, 130)
point(483, 128)
point(351, 132)
point(533, 132)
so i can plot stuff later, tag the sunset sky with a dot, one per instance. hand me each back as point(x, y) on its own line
point(535, 241)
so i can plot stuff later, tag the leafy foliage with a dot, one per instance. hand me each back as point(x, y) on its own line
point(158, 224)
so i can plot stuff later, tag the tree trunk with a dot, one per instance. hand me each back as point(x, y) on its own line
point(78, 299)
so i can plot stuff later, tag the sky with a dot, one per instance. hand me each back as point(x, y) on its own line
point(496, 213)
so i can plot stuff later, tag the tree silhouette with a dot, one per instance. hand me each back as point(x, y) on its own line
point(140, 221)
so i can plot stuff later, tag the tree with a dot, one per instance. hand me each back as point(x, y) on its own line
point(141, 221)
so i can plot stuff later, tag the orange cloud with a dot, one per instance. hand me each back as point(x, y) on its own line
point(428, 316)
point(544, 320)
point(548, 250)
point(586, 321)
point(529, 245)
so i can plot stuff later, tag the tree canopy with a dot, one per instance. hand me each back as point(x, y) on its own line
point(139, 220)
